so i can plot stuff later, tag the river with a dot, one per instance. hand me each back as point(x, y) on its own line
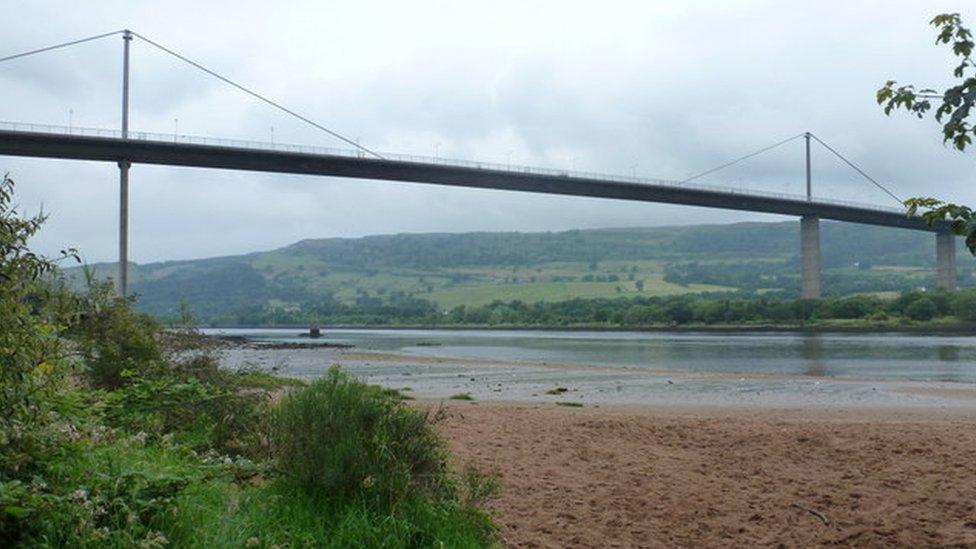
point(637, 367)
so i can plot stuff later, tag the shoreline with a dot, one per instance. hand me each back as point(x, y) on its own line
point(542, 383)
point(922, 329)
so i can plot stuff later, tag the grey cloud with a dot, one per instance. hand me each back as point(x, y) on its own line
point(663, 89)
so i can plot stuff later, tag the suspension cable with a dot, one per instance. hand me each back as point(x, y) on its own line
point(58, 46)
point(740, 159)
point(858, 170)
point(258, 96)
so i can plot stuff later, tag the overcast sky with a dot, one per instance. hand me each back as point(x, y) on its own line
point(660, 89)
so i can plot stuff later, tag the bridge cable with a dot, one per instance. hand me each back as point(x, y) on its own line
point(746, 157)
point(58, 46)
point(258, 96)
point(858, 170)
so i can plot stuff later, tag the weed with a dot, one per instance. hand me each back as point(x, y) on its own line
point(479, 486)
point(461, 396)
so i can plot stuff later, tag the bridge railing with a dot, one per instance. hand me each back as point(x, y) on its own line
point(419, 159)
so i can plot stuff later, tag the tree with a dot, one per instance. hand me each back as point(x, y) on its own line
point(953, 113)
point(922, 309)
point(965, 305)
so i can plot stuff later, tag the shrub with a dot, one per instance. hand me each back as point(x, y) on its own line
point(855, 307)
point(112, 337)
point(921, 309)
point(109, 494)
point(340, 438)
point(965, 305)
point(32, 355)
point(200, 415)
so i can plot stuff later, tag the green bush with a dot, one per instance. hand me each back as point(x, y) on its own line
point(112, 337)
point(33, 357)
point(965, 305)
point(340, 438)
point(921, 309)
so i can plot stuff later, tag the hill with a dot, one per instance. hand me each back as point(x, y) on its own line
point(448, 270)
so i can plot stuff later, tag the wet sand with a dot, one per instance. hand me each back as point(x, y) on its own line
point(532, 382)
point(662, 477)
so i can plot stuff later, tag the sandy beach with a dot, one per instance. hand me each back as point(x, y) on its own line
point(652, 477)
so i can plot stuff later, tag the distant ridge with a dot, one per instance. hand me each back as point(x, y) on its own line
point(453, 269)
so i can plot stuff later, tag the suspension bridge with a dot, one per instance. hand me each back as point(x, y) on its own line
point(126, 147)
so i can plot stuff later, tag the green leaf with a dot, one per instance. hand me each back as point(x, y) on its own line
point(16, 511)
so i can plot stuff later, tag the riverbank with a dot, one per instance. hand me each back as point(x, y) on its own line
point(965, 328)
point(652, 477)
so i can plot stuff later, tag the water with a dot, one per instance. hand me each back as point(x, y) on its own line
point(773, 370)
point(875, 356)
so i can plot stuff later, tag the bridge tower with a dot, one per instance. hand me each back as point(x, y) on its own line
point(945, 260)
point(122, 285)
point(810, 256)
point(809, 242)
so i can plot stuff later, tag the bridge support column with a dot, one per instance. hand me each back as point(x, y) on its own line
point(122, 284)
point(810, 256)
point(945, 260)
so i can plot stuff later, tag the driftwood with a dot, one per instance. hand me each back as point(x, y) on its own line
point(814, 512)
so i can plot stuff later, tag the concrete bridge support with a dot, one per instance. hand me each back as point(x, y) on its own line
point(945, 260)
point(810, 256)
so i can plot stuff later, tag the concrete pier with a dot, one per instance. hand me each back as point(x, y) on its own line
point(810, 256)
point(945, 260)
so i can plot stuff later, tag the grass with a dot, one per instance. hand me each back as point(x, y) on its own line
point(264, 380)
point(461, 396)
point(557, 391)
point(570, 404)
point(396, 393)
point(227, 515)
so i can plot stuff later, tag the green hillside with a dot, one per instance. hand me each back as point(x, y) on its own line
point(450, 270)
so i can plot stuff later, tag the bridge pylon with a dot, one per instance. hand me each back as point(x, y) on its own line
point(122, 284)
point(810, 256)
point(809, 240)
point(945, 260)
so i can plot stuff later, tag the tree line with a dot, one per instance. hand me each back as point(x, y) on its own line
point(702, 309)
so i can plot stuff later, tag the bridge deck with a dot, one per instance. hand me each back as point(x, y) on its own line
point(175, 153)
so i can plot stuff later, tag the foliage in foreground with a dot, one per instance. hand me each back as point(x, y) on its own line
point(118, 433)
point(954, 113)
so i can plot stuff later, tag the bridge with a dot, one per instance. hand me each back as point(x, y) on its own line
point(125, 148)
